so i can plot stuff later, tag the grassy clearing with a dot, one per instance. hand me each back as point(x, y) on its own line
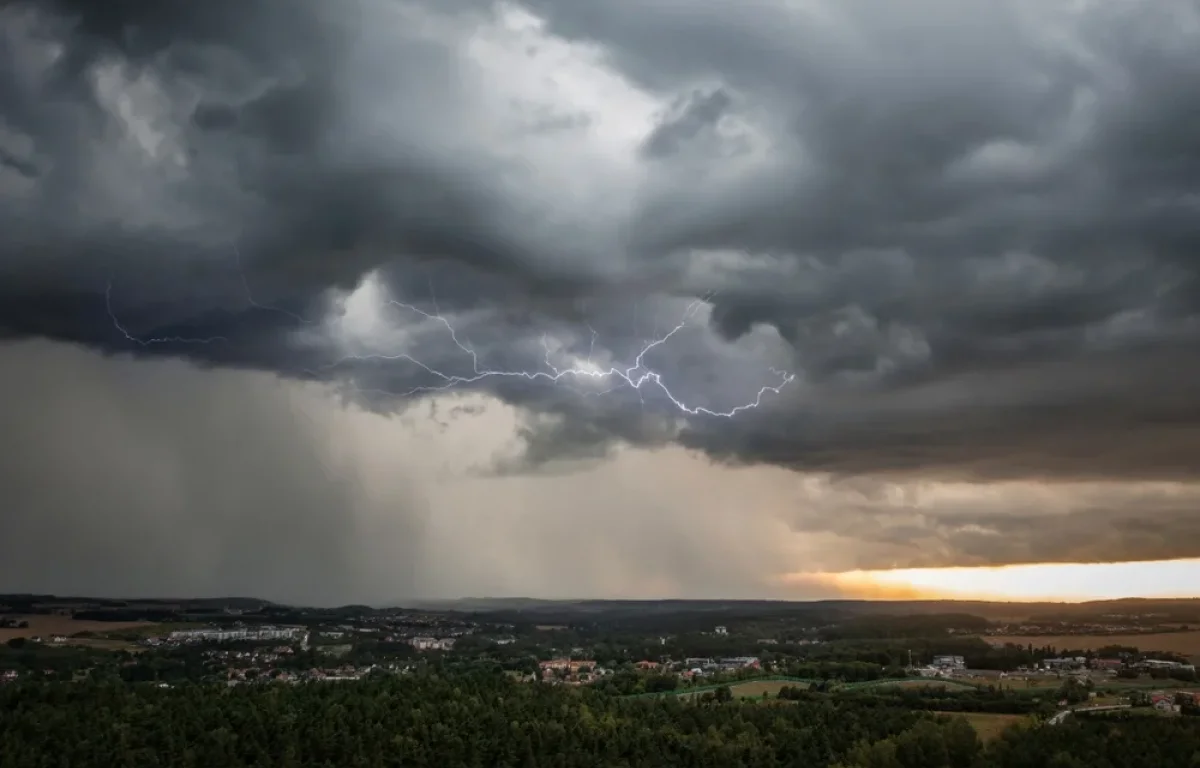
point(1145, 684)
point(755, 689)
point(746, 689)
point(45, 626)
point(104, 644)
point(945, 685)
point(1019, 685)
point(1105, 701)
point(986, 724)
point(151, 630)
point(1127, 714)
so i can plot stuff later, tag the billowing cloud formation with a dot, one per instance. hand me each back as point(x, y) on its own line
point(968, 229)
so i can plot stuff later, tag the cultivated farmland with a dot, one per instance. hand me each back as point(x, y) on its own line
point(45, 626)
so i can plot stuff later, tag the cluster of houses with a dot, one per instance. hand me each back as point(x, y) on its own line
point(1059, 628)
point(432, 643)
point(344, 673)
point(943, 666)
point(1077, 663)
point(698, 667)
point(574, 671)
point(950, 666)
point(234, 634)
point(578, 671)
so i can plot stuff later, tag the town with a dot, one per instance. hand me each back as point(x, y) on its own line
point(262, 644)
point(866, 659)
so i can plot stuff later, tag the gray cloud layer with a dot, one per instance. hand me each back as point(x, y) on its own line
point(969, 227)
point(124, 479)
point(155, 478)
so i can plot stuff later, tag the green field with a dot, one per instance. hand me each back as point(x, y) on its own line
point(987, 725)
point(947, 685)
point(754, 689)
point(739, 688)
point(157, 630)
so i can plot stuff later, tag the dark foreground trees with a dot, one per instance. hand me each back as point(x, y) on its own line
point(486, 721)
point(415, 721)
point(1099, 742)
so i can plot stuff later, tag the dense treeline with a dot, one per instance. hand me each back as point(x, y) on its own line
point(933, 699)
point(1139, 743)
point(417, 721)
point(891, 653)
point(54, 662)
point(486, 720)
point(848, 671)
point(1097, 743)
point(127, 614)
point(904, 626)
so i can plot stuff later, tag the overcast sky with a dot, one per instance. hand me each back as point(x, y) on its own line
point(346, 301)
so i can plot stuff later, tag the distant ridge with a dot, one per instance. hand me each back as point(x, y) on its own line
point(583, 607)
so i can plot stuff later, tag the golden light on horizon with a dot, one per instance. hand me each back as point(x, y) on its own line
point(1057, 582)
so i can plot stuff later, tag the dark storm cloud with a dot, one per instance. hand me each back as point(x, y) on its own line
point(237, 108)
point(700, 111)
point(1005, 205)
point(1129, 416)
point(1023, 524)
point(973, 224)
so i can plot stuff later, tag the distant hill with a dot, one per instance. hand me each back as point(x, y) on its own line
point(19, 601)
point(1184, 610)
point(549, 611)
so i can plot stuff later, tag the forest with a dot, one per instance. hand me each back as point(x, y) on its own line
point(487, 720)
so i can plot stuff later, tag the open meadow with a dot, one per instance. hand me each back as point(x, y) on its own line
point(1183, 643)
point(44, 626)
point(986, 724)
point(913, 682)
point(754, 689)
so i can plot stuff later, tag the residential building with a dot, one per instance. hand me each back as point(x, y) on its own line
point(432, 643)
point(239, 633)
point(1161, 664)
point(566, 665)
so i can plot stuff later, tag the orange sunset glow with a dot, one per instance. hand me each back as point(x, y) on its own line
point(1059, 582)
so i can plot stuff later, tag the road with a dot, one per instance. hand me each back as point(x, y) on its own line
point(1060, 717)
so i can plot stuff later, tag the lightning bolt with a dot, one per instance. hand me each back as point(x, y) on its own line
point(149, 342)
point(637, 376)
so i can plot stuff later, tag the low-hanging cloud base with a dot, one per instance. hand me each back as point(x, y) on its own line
point(974, 253)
